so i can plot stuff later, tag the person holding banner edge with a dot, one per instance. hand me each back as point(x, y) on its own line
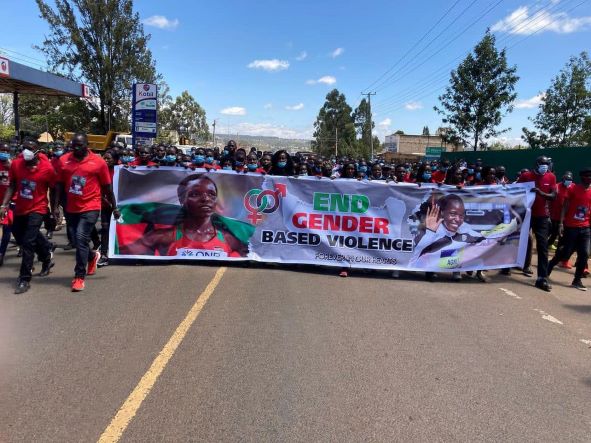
point(545, 189)
point(86, 177)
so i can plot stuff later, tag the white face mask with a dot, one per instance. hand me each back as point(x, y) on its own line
point(28, 155)
point(542, 169)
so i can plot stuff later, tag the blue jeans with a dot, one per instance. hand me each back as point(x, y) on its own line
point(80, 226)
point(26, 232)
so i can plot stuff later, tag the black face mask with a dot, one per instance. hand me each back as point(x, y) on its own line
point(80, 150)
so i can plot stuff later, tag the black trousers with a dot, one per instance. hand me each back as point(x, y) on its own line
point(106, 213)
point(26, 231)
point(540, 227)
point(574, 239)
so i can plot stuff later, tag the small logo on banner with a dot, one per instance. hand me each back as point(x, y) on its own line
point(263, 201)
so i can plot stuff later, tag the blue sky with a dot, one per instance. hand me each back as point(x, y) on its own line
point(265, 67)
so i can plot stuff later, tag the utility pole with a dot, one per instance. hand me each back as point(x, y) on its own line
point(336, 142)
point(213, 145)
point(369, 94)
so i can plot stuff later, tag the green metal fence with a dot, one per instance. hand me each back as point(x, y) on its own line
point(564, 159)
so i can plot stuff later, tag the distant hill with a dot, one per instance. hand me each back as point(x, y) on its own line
point(264, 143)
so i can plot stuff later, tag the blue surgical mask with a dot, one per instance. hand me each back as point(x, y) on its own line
point(470, 171)
point(170, 158)
point(281, 164)
point(542, 169)
point(227, 168)
point(199, 159)
point(209, 159)
point(426, 176)
point(238, 163)
point(225, 152)
point(567, 183)
point(4, 156)
point(58, 153)
point(362, 168)
point(127, 158)
point(252, 167)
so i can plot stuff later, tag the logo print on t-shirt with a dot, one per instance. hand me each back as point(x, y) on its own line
point(77, 185)
point(27, 189)
point(581, 213)
point(4, 178)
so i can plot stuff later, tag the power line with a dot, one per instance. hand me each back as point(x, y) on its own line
point(398, 106)
point(415, 45)
point(390, 79)
point(433, 78)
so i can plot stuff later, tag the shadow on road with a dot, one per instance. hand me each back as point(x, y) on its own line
point(583, 309)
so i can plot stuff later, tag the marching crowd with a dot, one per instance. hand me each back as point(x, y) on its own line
point(35, 182)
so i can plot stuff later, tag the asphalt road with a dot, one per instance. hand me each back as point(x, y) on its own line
point(280, 354)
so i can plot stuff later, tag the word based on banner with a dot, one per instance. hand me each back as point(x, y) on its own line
point(172, 214)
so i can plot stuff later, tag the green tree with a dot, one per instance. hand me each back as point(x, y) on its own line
point(102, 44)
point(565, 107)
point(6, 117)
point(480, 93)
point(364, 126)
point(426, 130)
point(55, 115)
point(187, 116)
point(335, 119)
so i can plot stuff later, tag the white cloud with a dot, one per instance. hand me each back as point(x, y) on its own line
point(522, 23)
point(413, 106)
point(337, 52)
point(270, 130)
point(386, 122)
point(326, 80)
point(233, 110)
point(269, 65)
point(530, 103)
point(297, 107)
point(268, 106)
point(302, 56)
point(160, 21)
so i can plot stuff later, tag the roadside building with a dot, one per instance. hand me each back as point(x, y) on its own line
point(409, 144)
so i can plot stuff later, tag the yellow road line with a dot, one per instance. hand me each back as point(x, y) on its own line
point(131, 405)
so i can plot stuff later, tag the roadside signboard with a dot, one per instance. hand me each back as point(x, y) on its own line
point(144, 117)
point(433, 153)
point(4, 67)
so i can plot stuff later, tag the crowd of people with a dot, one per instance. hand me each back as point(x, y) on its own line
point(36, 181)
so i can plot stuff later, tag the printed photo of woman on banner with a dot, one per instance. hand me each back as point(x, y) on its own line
point(193, 229)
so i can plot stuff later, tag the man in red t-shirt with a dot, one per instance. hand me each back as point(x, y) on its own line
point(545, 189)
point(85, 177)
point(31, 177)
point(575, 228)
point(143, 158)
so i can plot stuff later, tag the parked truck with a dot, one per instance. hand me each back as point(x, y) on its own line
point(102, 142)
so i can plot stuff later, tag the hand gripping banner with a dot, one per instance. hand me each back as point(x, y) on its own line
point(183, 214)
